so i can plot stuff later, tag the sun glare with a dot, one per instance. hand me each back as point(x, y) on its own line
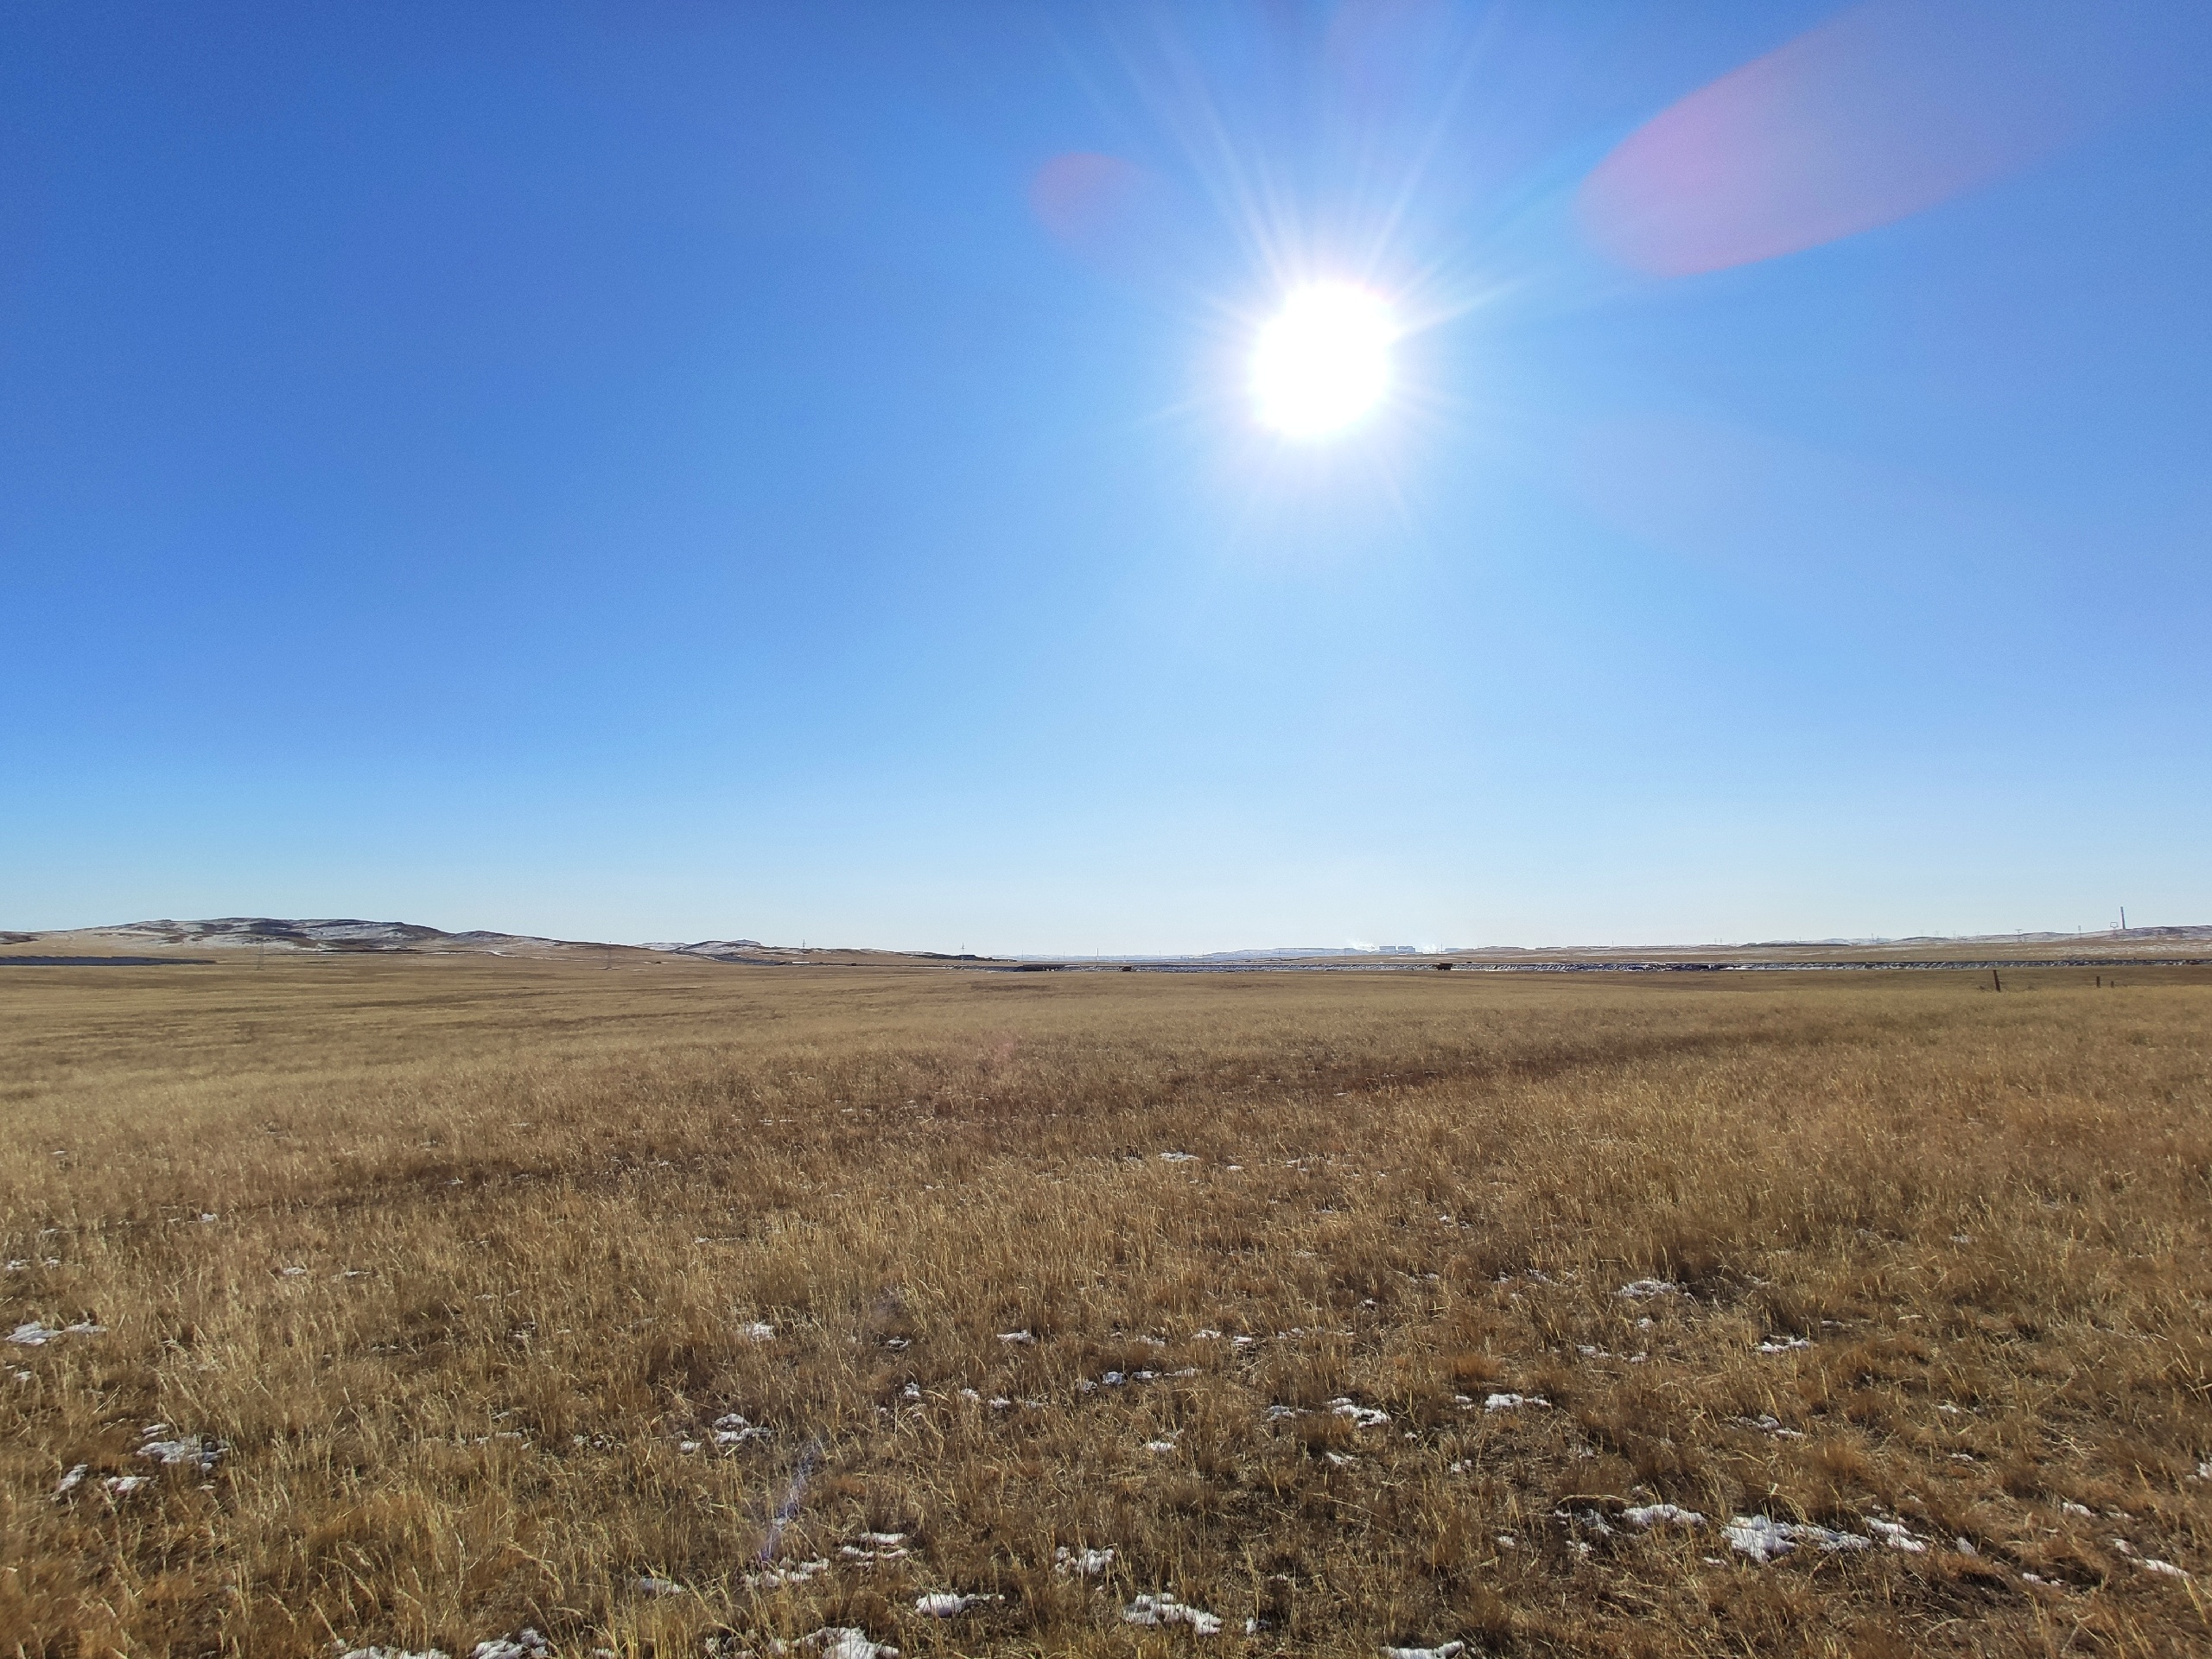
point(1323, 360)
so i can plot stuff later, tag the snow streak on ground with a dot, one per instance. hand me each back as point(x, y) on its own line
point(948, 1604)
point(1764, 1539)
point(1165, 1610)
point(1513, 1401)
point(1654, 1514)
point(33, 1334)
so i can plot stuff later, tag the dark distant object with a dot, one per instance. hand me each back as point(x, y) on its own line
point(1443, 967)
point(1127, 969)
point(107, 962)
point(1036, 968)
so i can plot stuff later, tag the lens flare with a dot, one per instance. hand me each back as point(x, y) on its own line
point(1324, 360)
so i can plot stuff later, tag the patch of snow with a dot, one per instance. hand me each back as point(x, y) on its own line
point(1023, 1336)
point(1648, 1516)
point(2164, 1569)
point(1767, 1423)
point(1784, 1344)
point(1821, 1537)
point(758, 1331)
point(73, 1479)
point(946, 1604)
point(1081, 1563)
point(1641, 1290)
point(1154, 1612)
point(1513, 1401)
point(731, 1429)
point(1763, 1538)
point(654, 1585)
point(123, 1486)
point(172, 1452)
point(392, 1653)
point(1179, 1157)
point(1444, 1651)
point(1362, 1416)
point(861, 1557)
point(1897, 1536)
point(847, 1641)
point(2071, 1507)
point(790, 1572)
point(1159, 1447)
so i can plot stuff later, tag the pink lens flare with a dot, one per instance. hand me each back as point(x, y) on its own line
point(1884, 111)
point(1086, 199)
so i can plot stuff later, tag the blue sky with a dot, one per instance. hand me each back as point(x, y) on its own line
point(666, 469)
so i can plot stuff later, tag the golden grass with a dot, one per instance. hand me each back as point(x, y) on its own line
point(540, 1210)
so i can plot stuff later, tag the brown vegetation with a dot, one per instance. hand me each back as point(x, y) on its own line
point(456, 1266)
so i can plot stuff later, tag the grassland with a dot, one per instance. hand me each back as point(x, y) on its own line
point(440, 1275)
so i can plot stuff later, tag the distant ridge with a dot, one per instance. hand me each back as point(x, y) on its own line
point(354, 936)
point(346, 935)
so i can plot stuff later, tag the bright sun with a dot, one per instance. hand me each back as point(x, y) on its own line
point(1324, 360)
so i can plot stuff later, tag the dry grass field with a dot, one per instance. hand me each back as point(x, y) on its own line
point(687, 1309)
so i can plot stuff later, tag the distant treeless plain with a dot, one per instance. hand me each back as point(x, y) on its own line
point(415, 1303)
